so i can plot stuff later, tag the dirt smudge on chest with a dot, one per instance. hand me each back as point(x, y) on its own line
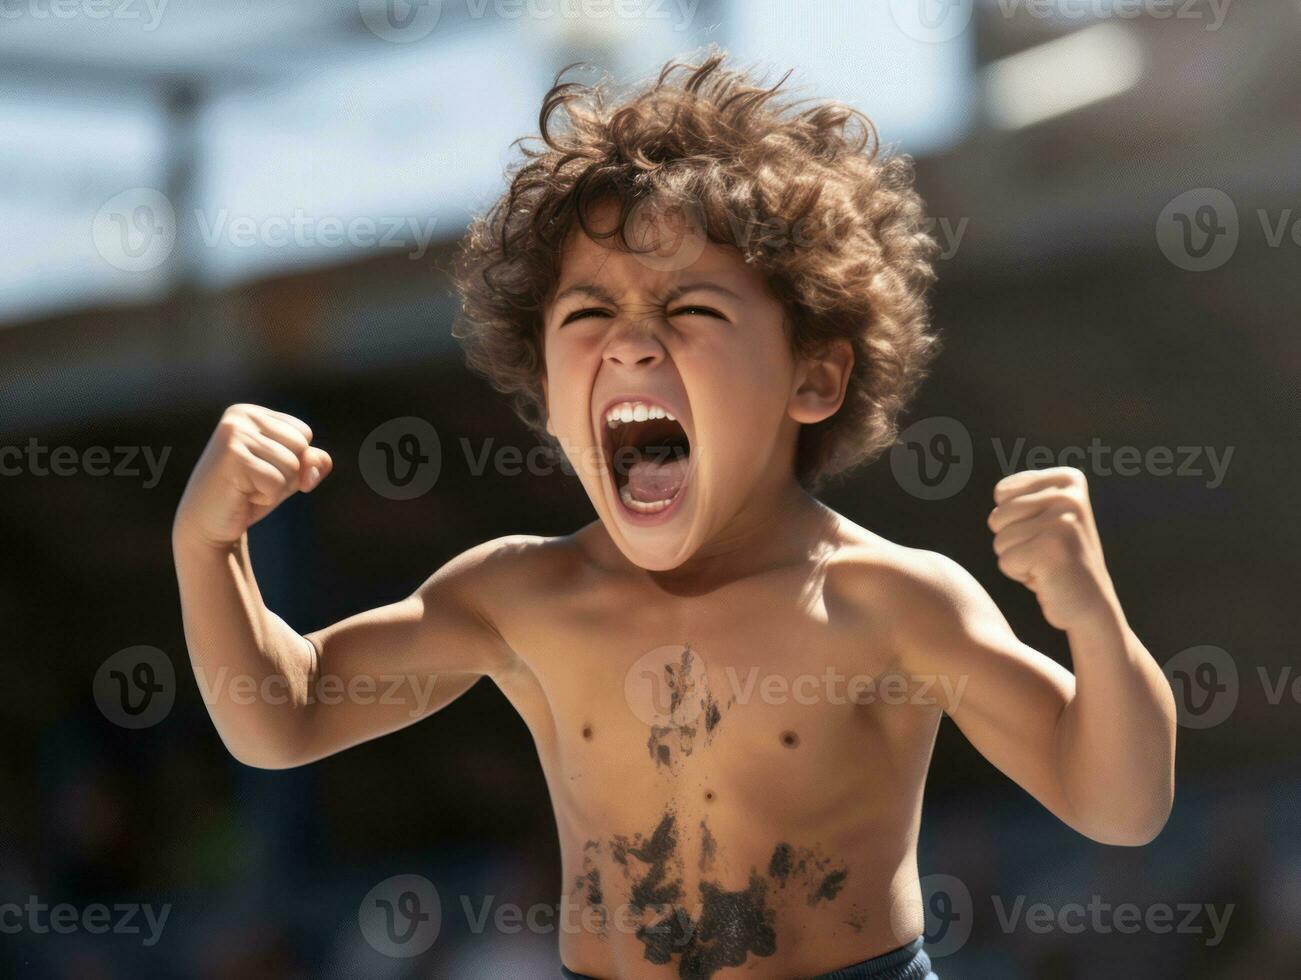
point(692, 711)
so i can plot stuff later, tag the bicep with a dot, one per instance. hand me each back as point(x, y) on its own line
point(1005, 696)
point(389, 667)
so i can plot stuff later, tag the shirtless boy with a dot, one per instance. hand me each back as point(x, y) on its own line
point(734, 691)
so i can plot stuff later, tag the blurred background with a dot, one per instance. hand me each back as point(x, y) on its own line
point(212, 202)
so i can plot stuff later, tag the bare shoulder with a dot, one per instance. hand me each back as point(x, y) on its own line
point(520, 566)
point(915, 598)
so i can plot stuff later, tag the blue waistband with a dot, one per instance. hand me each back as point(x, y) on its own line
point(908, 962)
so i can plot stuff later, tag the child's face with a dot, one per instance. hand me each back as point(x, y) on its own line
point(695, 331)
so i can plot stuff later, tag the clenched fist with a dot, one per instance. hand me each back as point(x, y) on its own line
point(1045, 538)
point(255, 459)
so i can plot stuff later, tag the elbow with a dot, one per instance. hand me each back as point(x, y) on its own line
point(1128, 837)
point(264, 760)
point(265, 752)
point(1136, 830)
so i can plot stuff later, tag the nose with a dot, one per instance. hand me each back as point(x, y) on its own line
point(635, 344)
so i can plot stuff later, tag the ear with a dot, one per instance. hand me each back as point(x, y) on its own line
point(820, 383)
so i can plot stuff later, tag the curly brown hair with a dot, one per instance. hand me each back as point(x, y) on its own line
point(806, 195)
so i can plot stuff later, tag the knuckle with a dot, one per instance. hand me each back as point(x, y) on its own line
point(229, 430)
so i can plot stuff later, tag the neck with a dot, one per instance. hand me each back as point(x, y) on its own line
point(772, 529)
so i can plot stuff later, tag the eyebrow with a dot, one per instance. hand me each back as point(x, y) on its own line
point(602, 294)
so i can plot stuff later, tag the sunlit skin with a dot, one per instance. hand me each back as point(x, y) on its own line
point(618, 325)
point(773, 812)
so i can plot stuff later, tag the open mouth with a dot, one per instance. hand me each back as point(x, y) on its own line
point(648, 453)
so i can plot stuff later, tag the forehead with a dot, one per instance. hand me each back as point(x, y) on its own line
point(669, 245)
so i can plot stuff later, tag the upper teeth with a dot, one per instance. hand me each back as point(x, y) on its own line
point(635, 412)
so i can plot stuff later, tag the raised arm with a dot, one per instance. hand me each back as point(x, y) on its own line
point(278, 698)
point(1095, 747)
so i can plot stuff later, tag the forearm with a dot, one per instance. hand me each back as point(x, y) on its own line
point(1115, 739)
point(253, 671)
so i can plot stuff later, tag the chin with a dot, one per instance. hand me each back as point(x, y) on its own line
point(657, 542)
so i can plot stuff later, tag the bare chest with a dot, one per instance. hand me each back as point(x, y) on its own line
point(762, 697)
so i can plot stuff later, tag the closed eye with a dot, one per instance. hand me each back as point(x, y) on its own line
point(580, 314)
point(679, 311)
point(697, 311)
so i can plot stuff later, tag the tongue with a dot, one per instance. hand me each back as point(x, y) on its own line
point(649, 480)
